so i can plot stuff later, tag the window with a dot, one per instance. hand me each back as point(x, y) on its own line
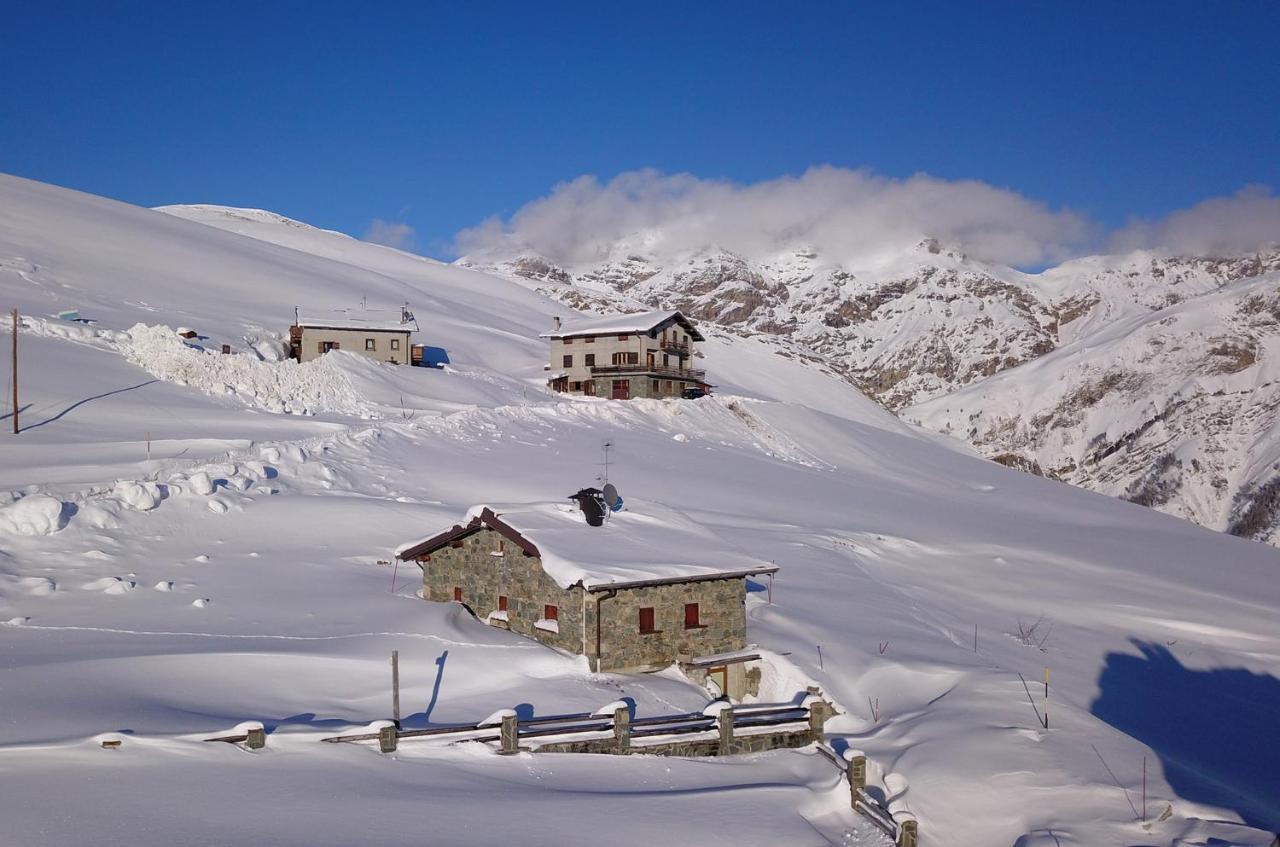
point(457, 594)
point(395, 344)
point(502, 602)
point(655, 386)
point(326, 346)
point(568, 360)
point(632, 358)
point(550, 613)
point(590, 360)
point(567, 340)
point(575, 386)
point(623, 337)
point(668, 386)
point(590, 339)
point(691, 616)
point(666, 360)
point(646, 620)
point(370, 344)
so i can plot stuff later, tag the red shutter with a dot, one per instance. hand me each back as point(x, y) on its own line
point(691, 616)
point(457, 594)
point(551, 613)
point(502, 602)
point(646, 619)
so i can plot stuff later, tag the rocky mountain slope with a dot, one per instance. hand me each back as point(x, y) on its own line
point(1144, 376)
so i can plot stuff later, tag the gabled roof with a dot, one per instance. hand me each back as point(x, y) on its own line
point(647, 544)
point(617, 324)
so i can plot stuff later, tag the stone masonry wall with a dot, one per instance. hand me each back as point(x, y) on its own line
point(722, 615)
point(476, 567)
point(483, 576)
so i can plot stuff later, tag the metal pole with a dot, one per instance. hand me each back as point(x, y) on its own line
point(395, 687)
point(15, 371)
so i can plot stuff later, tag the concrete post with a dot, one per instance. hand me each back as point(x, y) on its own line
point(256, 739)
point(724, 722)
point(622, 728)
point(908, 832)
point(387, 739)
point(510, 734)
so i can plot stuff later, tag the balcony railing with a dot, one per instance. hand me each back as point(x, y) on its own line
point(655, 370)
point(677, 347)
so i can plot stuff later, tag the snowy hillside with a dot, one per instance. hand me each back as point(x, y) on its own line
point(941, 337)
point(233, 573)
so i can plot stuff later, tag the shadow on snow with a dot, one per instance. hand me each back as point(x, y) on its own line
point(1215, 731)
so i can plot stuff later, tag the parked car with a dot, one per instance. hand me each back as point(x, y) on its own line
point(694, 393)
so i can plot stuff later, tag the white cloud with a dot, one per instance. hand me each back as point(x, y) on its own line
point(844, 214)
point(400, 236)
point(1220, 226)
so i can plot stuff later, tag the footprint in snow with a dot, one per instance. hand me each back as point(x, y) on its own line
point(110, 585)
point(38, 586)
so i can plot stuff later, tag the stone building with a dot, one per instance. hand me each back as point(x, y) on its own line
point(640, 593)
point(382, 335)
point(649, 354)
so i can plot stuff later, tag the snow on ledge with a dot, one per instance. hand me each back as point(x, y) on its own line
point(497, 616)
point(547, 626)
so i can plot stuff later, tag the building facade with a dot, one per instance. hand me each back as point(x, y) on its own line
point(642, 355)
point(380, 335)
point(644, 625)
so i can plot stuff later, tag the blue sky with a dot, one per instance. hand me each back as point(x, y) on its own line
point(438, 116)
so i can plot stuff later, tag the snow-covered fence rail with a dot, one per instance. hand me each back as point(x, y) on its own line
point(721, 729)
point(901, 825)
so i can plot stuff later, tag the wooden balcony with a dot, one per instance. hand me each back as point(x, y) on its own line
point(657, 371)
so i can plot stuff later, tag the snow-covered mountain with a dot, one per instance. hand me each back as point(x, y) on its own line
point(1144, 376)
point(189, 540)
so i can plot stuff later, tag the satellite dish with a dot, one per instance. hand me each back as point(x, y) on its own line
point(611, 495)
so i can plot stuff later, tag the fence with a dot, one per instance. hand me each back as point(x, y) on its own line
point(722, 729)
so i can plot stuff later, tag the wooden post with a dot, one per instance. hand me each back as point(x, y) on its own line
point(622, 728)
point(510, 734)
point(387, 739)
point(15, 371)
point(724, 722)
point(395, 687)
point(256, 739)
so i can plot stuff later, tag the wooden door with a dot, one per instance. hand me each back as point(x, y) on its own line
point(621, 389)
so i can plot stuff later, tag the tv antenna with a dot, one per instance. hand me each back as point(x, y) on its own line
point(608, 445)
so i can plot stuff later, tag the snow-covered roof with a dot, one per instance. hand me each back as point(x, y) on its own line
point(367, 320)
point(647, 543)
point(636, 322)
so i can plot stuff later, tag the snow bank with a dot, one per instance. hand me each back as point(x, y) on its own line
point(38, 514)
point(142, 496)
point(283, 387)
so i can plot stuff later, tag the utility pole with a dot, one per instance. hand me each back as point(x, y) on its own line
point(395, 687)
point(15, 371)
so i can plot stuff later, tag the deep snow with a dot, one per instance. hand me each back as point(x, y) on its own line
point(270, 531)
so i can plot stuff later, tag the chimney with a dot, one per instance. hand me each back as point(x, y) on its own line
point(555, 323)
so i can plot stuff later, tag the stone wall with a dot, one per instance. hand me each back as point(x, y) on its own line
point(722, 613)
point(485, 566)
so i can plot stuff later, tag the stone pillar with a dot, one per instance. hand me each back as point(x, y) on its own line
point(908, 832)
point(855, 769)
point(387, 739)
point(622, 728)
point(819, 711)
point(724, 722)
point(256, 739)
point(510, 734)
